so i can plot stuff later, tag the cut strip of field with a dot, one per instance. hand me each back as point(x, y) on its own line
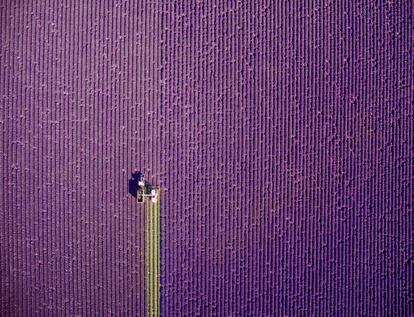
point(153, 258)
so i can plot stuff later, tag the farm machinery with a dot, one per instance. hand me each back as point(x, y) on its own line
point(141, 189)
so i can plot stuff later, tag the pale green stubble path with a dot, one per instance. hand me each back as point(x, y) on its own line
point(152, 251)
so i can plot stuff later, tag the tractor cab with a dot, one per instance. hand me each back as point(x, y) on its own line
point(144, 189)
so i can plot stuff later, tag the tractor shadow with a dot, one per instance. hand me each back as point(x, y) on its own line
point(133, 183)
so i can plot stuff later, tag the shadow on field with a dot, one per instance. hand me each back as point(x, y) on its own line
point(133, 183)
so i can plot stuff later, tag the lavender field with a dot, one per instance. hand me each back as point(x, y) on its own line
point(281, 134)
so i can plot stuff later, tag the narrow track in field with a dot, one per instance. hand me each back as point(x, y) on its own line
point(153, 258)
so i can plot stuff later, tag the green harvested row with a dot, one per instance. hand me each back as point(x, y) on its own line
point(153, 258)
